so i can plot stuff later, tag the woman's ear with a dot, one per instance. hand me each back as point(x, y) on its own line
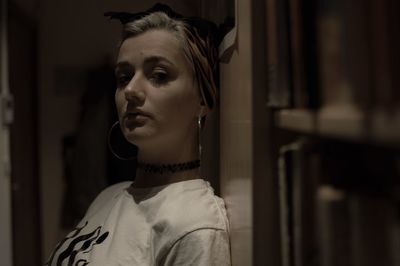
point(204, 110)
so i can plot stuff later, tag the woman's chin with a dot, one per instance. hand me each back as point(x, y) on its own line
point(137, 136)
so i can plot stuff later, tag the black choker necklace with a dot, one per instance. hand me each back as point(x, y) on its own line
point(172, 168)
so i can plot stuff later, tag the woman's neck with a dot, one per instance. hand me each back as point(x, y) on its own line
point(149, 173)
point(150, 179)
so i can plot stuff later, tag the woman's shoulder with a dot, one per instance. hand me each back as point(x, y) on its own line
point(108, 194)
point(185, 208)
point(192, 205)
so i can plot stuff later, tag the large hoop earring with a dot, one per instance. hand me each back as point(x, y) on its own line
point(127, 150)
point(199, 135)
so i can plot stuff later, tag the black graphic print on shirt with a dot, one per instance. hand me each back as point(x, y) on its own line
point(74, 244)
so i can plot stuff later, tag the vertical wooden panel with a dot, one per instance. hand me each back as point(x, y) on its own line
point(236, 140)
point(25, 205)
point(266, 239)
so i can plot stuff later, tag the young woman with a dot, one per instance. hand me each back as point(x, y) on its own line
point(166, 75)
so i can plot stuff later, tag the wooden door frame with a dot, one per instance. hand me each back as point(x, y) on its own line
point(26, 229)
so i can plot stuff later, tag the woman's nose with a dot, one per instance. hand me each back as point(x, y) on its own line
point(134, 92)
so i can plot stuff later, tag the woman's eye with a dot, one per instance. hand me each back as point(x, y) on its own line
point(122, 80)
point(159, 77)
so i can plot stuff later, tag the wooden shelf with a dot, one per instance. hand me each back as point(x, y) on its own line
point(344, 123)
point(385, 127)
point(302, 120)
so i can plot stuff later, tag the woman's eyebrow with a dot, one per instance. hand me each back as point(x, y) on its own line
point(156, 59)
point(123, 65)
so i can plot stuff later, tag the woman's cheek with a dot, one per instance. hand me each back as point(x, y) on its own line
point(119, 103)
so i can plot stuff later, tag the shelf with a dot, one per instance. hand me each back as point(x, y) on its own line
point(341, 121)
point(302, 120)
point(344, 122)
point(385, 127)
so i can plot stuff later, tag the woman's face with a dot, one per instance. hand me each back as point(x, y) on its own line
point(157, 101)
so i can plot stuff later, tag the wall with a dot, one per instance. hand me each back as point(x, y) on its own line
point(5, 175)
point(236, 139)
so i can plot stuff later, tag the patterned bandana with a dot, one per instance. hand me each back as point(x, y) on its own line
point(203, 39)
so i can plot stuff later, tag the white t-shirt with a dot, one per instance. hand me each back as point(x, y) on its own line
point(182, 223)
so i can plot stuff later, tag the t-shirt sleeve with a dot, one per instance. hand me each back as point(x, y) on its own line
point(200, 247)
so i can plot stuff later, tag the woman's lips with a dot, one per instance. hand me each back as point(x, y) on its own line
point(132, 120)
